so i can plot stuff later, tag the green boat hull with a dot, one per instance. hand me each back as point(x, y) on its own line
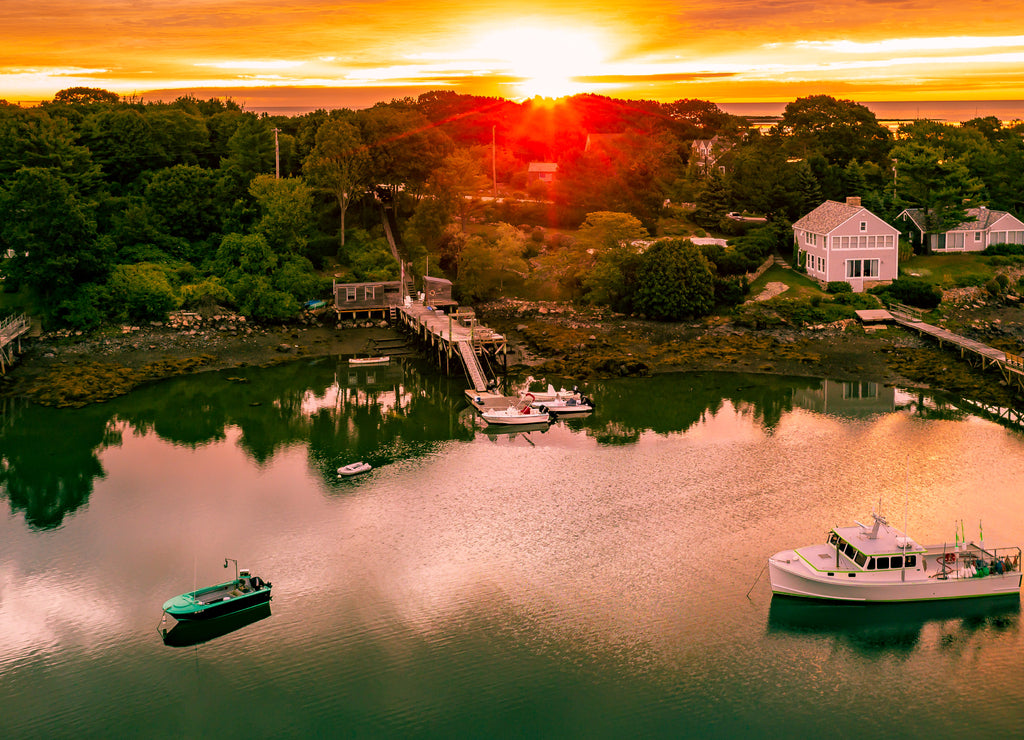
point(216, 601)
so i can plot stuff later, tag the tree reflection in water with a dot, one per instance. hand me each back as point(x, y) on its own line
point(50, 458)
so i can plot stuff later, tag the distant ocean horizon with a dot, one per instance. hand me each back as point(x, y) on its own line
point(947, 111)
point(309, 100)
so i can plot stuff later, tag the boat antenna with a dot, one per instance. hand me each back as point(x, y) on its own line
point(236, 565)
point(906, 510)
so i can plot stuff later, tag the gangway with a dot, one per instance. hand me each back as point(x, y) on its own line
point(473, 368)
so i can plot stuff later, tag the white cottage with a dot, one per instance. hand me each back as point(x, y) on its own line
point(982, 228)
point(847, 242)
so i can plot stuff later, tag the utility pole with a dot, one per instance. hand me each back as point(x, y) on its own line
point(494, 159)
point(895, 162)
point(277, 155)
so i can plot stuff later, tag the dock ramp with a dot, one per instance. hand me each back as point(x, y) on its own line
point(473, 367)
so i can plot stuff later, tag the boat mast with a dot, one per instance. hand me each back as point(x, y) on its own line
point(906, 509)
point(236, 565)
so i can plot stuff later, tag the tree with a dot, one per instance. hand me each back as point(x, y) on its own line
point(840, 130)
point(140, 292)
point(712, 202)
point(808, 191)
point(53, 236)
point(86, 96)
point(485, 263)
point(458, 176)
point(122, 143)
point(32, 138)
point(251, 147)
point(286, 212)
point(404, 147)
point(942, 187)
point(675, 281)
point(183, 202)
point(339, 164)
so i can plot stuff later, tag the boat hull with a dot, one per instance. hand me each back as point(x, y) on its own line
point(790, 581)
point(209, 603)
point(515, 419)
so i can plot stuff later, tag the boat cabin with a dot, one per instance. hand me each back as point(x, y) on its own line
point(867, 557)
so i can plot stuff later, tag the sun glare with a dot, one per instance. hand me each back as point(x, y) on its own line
point(545, 61)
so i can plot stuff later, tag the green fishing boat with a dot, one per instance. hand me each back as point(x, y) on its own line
point(246, 591)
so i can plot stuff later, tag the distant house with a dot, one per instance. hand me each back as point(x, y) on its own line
point(543, 171)
point(706, 152)
point(982, 228)
point(845, 242)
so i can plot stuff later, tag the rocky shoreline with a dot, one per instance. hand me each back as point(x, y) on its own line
point(63, 369)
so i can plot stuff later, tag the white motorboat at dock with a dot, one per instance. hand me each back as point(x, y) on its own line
point(882, 564)
point(521, 413)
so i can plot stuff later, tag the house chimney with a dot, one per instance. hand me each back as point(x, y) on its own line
point(853, 200)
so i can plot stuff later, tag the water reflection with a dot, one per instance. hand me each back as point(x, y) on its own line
point(49, 458)
point(888, 628)
point(185, 634)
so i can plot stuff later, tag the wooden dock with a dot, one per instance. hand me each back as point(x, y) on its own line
point(456, 341)
point(12, 329)
point(977, 354)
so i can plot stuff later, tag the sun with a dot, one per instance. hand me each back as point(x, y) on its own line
point(544, 61)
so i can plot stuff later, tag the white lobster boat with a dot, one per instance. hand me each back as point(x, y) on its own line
point(881, 564)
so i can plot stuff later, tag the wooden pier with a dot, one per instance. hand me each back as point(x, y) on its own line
point(1009, 365)
point(456, 340)
point(12, 329)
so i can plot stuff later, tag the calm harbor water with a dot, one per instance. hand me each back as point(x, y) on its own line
point(587, 580)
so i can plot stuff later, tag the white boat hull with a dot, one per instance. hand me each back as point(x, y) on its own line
point(790, 577)
point(504, 418)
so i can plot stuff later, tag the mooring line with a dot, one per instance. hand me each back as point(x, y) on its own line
point(761, 573)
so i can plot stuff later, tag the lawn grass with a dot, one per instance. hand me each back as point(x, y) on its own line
point(949, 270)
point(800, 286)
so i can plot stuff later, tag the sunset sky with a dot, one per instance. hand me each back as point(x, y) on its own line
point(352, 53)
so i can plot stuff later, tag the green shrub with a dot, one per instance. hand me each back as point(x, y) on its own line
point(140, 293)
point(857, 301)
point(1004, 249)
point(911, 291)
point(838, 286)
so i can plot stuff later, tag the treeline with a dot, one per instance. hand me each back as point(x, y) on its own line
point(113, 209)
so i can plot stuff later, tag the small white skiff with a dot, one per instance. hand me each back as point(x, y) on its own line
point(354, 468)
point(515, 415)
point(881, 564)
point(519, 414)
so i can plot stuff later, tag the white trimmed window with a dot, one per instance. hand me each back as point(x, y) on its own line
point(350, 293)
point(368, 293)
point(861, 268)
point(863, 225)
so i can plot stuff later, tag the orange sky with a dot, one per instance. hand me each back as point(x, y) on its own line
point(354, 52)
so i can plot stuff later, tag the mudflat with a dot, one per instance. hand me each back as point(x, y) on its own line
point(545, 339)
